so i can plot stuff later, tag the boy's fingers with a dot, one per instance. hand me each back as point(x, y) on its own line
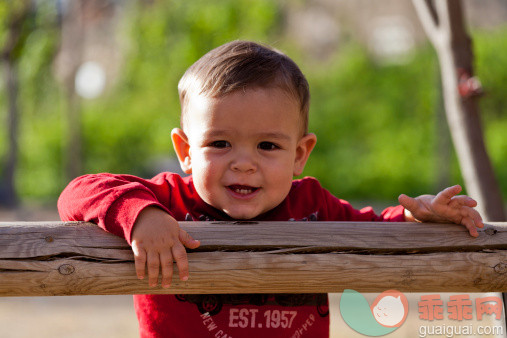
point(470, 225)
point(180, 256)
point(139, 259)
point(476, 217)
point(447, 194)
point(463, 200)
point(166, 263)
point(470, 202)
point(408, 203)
point(153, 268)
point(187, 240)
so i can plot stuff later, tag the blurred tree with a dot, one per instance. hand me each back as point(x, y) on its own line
point(17, 19)
point(71, 50)
point(443, 23)
point(375, 123)
point(133, 120)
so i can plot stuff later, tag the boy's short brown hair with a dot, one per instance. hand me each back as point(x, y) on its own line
point(240, 65)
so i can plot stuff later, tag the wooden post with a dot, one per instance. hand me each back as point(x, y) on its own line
point(55, 258)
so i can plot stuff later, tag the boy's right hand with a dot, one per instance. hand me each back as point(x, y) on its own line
point(157, 240)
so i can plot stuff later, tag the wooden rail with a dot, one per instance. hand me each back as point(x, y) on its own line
point(56, 258)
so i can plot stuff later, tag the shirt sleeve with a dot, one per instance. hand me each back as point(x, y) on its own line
point(340, 210)
point(114, 201)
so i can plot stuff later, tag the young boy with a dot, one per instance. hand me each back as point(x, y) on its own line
point(243, 137)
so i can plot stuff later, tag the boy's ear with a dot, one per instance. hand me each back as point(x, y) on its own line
point(182, 149)
point(303, 150)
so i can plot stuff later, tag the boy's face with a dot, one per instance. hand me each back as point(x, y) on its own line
point(243, 149)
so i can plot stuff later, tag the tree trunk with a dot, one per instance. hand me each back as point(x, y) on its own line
point(70, 58)
point(443, 23)
point(10, 53)
point(8, 195)
point(73, 149)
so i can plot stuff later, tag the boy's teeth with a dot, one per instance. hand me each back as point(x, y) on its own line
point(242, 189)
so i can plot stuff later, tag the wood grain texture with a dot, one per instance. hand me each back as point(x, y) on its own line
point(56, 258)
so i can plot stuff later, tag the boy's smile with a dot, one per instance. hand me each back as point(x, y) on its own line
point(242, 191)
point(243, 149)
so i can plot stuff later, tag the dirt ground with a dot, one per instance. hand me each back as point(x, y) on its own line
point(69, 316)
point(114, 317)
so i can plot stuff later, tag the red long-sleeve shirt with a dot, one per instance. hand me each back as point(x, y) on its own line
point(114, 202)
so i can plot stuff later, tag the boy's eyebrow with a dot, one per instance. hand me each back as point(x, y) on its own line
point(276, 136)
point(214, 133)
point(269, 135)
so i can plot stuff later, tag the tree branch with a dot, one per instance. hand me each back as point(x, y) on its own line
point(429, 19)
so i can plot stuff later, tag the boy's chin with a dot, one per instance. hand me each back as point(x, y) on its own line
point(242, 215)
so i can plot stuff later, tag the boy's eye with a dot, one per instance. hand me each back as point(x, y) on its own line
point(220, 144)
point(267, 146)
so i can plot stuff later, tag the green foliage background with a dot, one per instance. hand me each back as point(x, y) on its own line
point(376, 124)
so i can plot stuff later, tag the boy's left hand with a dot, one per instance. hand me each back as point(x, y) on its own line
point(445, 207)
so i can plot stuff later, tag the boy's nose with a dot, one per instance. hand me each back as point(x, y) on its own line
point(243, 164)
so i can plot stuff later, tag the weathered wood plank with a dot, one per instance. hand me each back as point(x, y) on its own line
point(39, 259)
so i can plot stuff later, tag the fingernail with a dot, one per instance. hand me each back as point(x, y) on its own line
point(184, 278)
point(166, 286)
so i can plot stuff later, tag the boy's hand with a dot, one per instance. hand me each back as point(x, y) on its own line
point(444, 208)
point(157, 240)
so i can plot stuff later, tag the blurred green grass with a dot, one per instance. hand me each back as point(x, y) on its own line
point(376, 124)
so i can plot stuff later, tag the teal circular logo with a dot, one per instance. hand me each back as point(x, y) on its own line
point(387, 312)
